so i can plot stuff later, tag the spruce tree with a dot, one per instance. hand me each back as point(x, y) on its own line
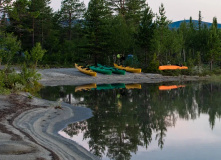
point(96, 23)
point(134, 12)
point(145, 33)
point(214, 44)
point(158, 43)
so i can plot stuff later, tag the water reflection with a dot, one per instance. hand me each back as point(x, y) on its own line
point(125, 119)
point(94, 86)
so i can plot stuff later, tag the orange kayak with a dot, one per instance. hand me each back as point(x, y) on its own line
point(172, 67)
point(170, 87)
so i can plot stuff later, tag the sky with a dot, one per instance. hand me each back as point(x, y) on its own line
point(178, 9)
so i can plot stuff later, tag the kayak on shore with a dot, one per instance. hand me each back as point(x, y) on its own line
point(113, 69)
point(172, 67)
point(85, 70)
point(100, 70)
point(128, 69)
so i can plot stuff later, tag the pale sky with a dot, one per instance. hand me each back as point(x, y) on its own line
point(178, 9)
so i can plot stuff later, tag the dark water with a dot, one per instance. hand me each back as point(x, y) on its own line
point(152, 123)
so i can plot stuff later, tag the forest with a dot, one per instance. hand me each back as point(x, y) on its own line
point(96, 34)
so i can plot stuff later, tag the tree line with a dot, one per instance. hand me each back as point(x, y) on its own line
point(106, 28)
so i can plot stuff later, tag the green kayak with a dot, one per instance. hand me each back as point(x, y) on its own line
point(109, 86)
point(118, 85)
point(100, 70)
point(113, 69)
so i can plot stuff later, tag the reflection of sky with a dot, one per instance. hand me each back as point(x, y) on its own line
point(188, 140)
point(78, 139)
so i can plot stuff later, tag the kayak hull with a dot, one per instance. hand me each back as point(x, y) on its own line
point(85, 70)
point(113, 69)
point(128, 69)
point(172, 67)
point(100, 70)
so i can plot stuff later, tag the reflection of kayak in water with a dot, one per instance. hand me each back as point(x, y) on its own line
point(110, 86)
point(172, 67)
point(85, 87)
point(133, 86)
point(170, 87)
point(93, 86)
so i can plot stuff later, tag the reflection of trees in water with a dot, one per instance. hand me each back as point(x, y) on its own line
point(126, 119)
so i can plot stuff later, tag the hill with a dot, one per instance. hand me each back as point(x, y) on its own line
point(177, 24)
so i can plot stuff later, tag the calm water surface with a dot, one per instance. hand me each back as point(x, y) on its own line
point(147, 121)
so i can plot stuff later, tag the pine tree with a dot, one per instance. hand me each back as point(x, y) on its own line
point(31, 20)
point(134, 12)
point(41, 19)
point(200, 21)
point(158, 43)
point(120, 38)
point(145, 32)
point(97, 20)
point(5, 5)
point(131, 10)
point(18, 18)
point(214, 44)
point(71, 11)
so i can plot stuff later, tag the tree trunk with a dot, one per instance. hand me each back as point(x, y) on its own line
point(33, 33)
point(211, 65)
point(69, 32)
point(95, 59)
point(42, 33)
point(184, 56)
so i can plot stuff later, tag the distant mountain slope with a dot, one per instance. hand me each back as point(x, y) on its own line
point(178, 23)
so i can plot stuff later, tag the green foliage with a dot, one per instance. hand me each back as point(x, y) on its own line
point(154, 64)
point(145, 34)
point(97, 20)
point(9, 46)
point(120, 37)
point(36, 54)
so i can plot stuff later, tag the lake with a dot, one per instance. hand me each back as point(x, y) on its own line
point(168, 121)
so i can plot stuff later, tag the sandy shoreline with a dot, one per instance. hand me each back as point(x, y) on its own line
point(29, 127)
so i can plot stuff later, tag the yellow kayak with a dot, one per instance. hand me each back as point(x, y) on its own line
point(85, 87)
point(133, 86)
point(128, 69)
point(85, 70)
point(172, 67)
